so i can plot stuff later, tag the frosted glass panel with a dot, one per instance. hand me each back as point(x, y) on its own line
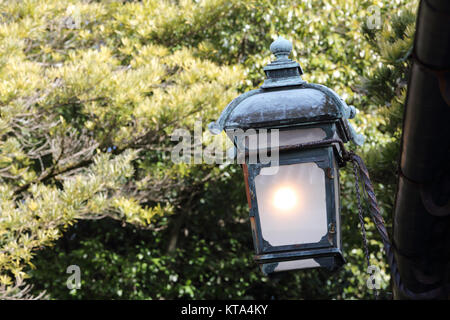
point(292, 204)
point(297, 264)
point(297, 136)
point(263, 139)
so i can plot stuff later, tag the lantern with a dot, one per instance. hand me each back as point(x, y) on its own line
point(293, 199)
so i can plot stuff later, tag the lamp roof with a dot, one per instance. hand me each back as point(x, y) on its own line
point(285, 99)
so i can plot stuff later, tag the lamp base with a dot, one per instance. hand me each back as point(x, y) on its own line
point(333, 261)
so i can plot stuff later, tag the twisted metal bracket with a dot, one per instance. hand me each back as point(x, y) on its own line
point(377, 218)
point(380, 225)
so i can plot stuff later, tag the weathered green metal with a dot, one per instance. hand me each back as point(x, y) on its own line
point(282, 72)
point(330, 244)
point(285, 99)
point(286, 102)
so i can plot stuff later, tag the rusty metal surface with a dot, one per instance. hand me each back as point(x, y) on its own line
point(247, 188)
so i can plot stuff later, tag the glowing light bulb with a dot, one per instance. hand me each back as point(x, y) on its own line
point(285, 198)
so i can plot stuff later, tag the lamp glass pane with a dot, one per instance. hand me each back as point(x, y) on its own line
point(292, 204)
point(296, 264)
point(297, 136)
point(255, 140)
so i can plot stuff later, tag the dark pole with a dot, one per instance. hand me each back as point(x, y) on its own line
point(421, 227)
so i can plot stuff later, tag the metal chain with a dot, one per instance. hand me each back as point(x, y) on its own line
point(360, 214)
point(379, 224)
point(361, 220)
point(375, 214)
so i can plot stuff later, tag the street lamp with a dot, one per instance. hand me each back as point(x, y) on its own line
point(293, 199)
